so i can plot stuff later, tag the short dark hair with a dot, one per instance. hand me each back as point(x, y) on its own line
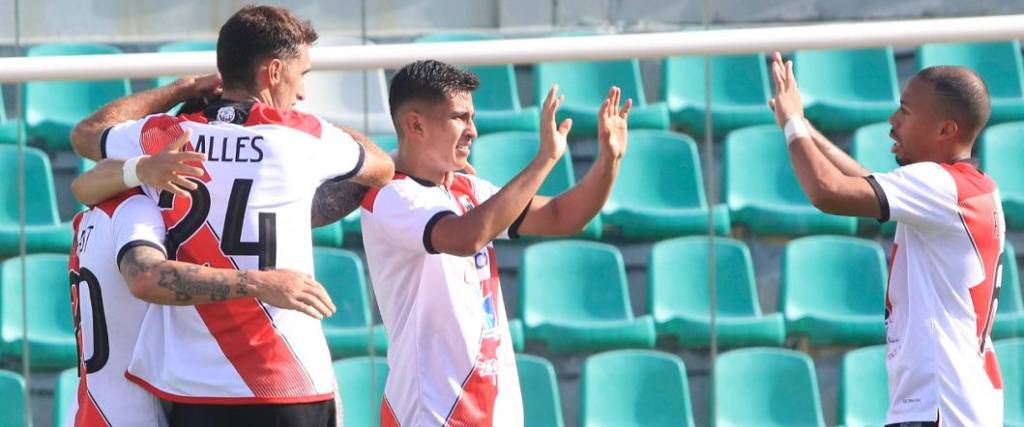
point(428, 80)
point(255, 34)
point(962, 97)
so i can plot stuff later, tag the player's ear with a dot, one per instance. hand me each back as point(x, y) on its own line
point(275, 71)
point(412, 123)
point(949, 129)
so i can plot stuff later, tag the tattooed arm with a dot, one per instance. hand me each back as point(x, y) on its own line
point(336, 199)
point(153, 278)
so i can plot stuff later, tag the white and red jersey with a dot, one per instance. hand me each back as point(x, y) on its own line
point(251, 211)
point(941, 298)
point(449, 353)
point(107, 316)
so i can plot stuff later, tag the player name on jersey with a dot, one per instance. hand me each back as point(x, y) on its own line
point(239, 149)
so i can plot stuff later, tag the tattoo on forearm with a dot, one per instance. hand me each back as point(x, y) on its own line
point(243, 283)
point(217, 287)
point(336, 199)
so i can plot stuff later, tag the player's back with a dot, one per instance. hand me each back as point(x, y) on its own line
point(107, 316)
point(251, 211)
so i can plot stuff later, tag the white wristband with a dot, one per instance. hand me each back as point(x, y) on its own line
point(795, 128)
point(130, 172)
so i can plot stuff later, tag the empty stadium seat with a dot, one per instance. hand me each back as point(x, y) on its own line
point(53, 108)
point(330, 235)
point(348, 330)
point(499, 157)
point(659, 192)
point(678, 295)
point(1011, 363)
point(64, 393)
point(537, 382)
point(640, 388)
point(846, 89)
point(832, 290)
point(44, 230)
point(497, 100)
point(766, 387)
point(574, 297)
point(8, 128)
point(761, 190)
point(12, 388)
point(863, 388)
point(739, 92)
point(999, 65)
point(183, 46)
point(870, 147)
point(361, 382)
point(1010, 313)
point(340, 97)
point(51, 334)
point(1002, 154)
point(515, 329)
point(585, 86)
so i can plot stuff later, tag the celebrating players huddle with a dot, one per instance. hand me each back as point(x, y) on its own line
point(191, 274)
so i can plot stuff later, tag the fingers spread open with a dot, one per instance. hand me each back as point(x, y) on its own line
point(565, 127)
point(625, 109)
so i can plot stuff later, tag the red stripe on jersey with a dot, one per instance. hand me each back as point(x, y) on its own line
point(475, 406)
point(89, 414)
point(111, 204)
point(371, 195)
point(243, 330)
point(992, 369)
point(224, 400)
point(263, 114)
point(387, 415)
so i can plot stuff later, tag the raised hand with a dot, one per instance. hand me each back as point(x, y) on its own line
point(168, 169)
point(787, 101)
point(553, 139)
point(612, 129)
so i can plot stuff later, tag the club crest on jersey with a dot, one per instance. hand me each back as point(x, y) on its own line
point(226, 114)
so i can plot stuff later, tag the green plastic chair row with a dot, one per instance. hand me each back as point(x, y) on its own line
point(44, 230)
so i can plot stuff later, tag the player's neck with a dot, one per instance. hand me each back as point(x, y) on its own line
point(242, 95)
point(418, 166)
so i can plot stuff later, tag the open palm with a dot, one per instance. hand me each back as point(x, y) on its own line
point(612, 129)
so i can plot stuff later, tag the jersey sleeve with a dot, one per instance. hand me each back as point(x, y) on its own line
point(407, 221)
point(337, 156)
point(484, 190)
point(137, 222)
point(920, 195)
point(122, 141)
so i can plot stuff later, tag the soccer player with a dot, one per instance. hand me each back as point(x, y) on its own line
point(944, 274)
point(109, 302)
point(239, 362)
point(428, 245)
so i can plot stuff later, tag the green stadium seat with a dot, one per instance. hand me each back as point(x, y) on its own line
point(539, 387)
point(183, 46)
point(497, 100)
point(53, 108)
point(863, 388)
point(778, 388)
point(64, 393)
point(51, 334)
point(1001, 154)
point(1010, 313)
point(871, 146)
point(1010, 353)
point(847, 89)
point(999, 65)
point(832, 290)
point(761, 190)
point(641, 388)
point(659, 192)
point(739, 92)
point(515, 327)
point(678, 295)
point(574, 297)
point(8, 128)
point(12, 388)
point(330, 235)
point(44, 230)
point(361, 382)
point(499, 157)
point(84, 165)
point(348, 330)
point(585, 86)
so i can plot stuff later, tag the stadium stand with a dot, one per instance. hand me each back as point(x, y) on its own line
point(341, 272)
point(182, 46)
point(330, 235)
point(64, 393)
point(846, 89)
point(761, 190)
point(870, 147)
point(497, 100)
point(51, 334)
point(832, 290)
point(43, 228)
point(634, 388)
point(52, 108)
point(863, 388)
point(778, 387)
point(574, 298)
point(1001, 154)
point(659, 192)
point(361, 382)
point(739, 92)
point(539, 387)
point(1010, 314)
point(12, 388)
point(1010, 353)
point(8, 128)
point(679, 300)
point(998, 64)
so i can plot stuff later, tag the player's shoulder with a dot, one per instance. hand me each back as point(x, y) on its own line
point(263, 114)
point(110, 206)
point(402, 190)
